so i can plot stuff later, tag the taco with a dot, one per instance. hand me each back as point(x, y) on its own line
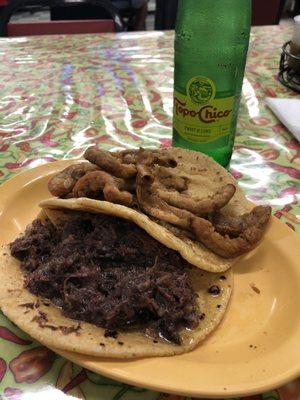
point(195, 205)
point(132, 258)
point(94, 282)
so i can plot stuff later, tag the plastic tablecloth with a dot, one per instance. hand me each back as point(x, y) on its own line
point(59, 94)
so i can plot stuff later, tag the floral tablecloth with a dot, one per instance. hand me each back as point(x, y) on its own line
point(59, 94)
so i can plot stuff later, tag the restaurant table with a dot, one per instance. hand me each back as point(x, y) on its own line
point(60, 94)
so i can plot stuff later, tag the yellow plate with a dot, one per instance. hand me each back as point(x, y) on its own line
point(257, 346)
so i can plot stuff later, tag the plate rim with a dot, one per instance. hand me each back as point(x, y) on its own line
point(219, 394)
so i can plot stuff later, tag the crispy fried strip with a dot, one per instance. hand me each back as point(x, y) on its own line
point(145, 175)
point(155, 206)
point(255, 224)
point(93, 183)
point(165, 160)
point(233, 226)
point(128, 156)
point(62, 183)
point(200, 207)
point(145, 156)
point(109, 163)
point(152, 157)
point(115, 195)
point(170, 180)
point(129, 159)
point(129, 185)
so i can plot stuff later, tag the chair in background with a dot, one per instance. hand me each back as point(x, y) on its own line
point(267, 12)
point(110, 23)
point(165, 14)
point(264, 12)
point(85, 10)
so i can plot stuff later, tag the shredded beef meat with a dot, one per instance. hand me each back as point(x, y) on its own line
point(109, 272)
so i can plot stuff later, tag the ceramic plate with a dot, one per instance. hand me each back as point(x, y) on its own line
point(257, 346)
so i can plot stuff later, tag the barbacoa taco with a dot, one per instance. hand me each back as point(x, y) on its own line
point(132, 258)
point(98, 284)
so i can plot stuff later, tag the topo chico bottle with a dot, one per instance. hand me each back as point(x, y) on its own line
point(211, 43)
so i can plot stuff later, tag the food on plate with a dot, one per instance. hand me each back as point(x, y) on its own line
point(200, 207)
point(186, 192)
point(239, 237)
point(132, 258)
point(107, 162)
point(99, 284)
point(63, 182)
point(96, 182)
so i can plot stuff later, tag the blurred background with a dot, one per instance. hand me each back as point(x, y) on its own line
point(125, 15)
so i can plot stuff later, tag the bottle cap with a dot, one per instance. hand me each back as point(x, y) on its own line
point(296, 34)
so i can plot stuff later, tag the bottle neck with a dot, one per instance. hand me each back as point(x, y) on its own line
point(215, 14)
point(205, 24)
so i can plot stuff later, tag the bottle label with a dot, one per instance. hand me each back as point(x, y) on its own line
point(198, 115)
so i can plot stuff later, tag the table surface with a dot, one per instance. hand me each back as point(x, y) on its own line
point(59, 94)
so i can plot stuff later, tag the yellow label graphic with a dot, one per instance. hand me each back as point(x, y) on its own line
point(200, 117)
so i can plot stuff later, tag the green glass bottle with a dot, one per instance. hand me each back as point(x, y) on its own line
point(211, 44)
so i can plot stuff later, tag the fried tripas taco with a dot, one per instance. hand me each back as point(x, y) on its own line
point(201, 211)
point(96, 283)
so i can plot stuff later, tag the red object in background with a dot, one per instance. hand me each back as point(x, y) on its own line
point(3, 368)
point(60, 27)
point(30, 365)
point(3, 3)
point(266, 12)
point(8, 335)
